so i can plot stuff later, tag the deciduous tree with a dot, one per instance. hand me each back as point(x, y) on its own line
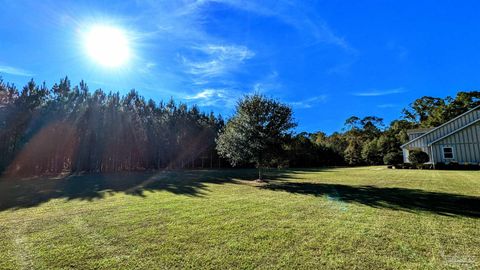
point(256, 132)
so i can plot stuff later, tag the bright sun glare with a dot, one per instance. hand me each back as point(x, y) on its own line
point(107, 45)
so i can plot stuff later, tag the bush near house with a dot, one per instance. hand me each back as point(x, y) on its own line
point(393, 158)
point(456, 166)
point(418, 157)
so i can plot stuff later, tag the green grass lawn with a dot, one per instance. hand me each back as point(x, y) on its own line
point(366, 218)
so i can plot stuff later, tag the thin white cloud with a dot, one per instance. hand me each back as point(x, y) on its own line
point(207, 69)
point(237, 52)
point(206, 94)
point(377, 93)
point(215, 97)
point(387, 106)
point(217, 59)
point(309, 102)
point(146, 68)
point(15, 71)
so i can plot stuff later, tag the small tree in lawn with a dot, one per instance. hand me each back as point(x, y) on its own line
point(256, 132)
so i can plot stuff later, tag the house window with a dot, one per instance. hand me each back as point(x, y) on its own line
point(447, 152)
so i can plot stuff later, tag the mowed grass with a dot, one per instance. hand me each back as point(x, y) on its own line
point(338, 218)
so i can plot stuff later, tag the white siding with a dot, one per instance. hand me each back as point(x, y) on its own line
point(465, 144)
point(445, 129)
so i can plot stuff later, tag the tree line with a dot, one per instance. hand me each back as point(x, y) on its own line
point(260, 133)
point(368, 141)
point(71, 129)
point(67, 128)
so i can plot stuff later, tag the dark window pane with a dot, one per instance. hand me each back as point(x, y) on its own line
point(448, 152)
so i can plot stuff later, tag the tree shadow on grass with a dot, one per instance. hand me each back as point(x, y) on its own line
point(28, 192)
point(392, 198)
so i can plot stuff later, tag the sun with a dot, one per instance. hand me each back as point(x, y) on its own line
point(107, 45)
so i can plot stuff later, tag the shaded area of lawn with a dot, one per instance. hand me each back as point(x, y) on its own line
point(23, 193)
point(385, 197)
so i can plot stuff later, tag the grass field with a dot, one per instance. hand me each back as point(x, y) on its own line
point(365, 218)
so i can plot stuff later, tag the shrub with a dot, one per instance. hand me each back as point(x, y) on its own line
point(393, 158)
point(404, 166)
point(424, 166)
point(453, 165)
point(418, 157)
point(441, 166)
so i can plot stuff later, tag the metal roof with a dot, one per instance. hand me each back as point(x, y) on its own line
point(436, 128)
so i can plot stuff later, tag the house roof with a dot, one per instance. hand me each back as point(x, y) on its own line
point(455, 131)
point(418, 130)
point(444, 124)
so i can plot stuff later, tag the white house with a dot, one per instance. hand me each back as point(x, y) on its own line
point(458, 140)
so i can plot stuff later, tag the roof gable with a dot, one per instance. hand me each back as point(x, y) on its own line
point(419, 130)
point(436, 129)
point(455, 131)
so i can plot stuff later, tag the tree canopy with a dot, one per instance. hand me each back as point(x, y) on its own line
point(433, 111)
point(71, 129)
point(257, 132)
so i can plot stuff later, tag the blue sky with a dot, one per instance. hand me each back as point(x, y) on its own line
point(328, 59)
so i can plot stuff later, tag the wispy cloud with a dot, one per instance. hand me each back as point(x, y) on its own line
point(293, 13)
point(207, 94)
point(212, 61)
point(15, 71)
point(226, 98)
point(217, 59)
point(387, 106)
point(215, 97)
point(377, 93)
point(146, 68)
point(216, 63)
point(309, 102)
